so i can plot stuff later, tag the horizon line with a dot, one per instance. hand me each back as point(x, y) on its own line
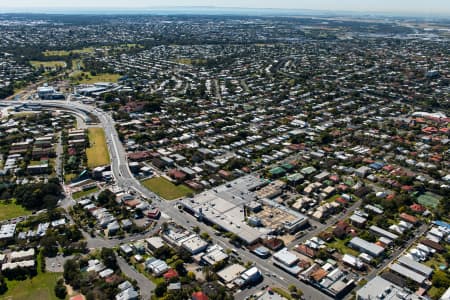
point(69, 10)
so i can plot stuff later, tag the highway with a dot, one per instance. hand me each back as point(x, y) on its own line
point(125, 180)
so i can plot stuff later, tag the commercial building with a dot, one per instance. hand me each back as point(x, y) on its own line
point(154, 243)
point(214, 255)
point(194, 244)
point(252, 275)
point(287, 261)
point(379, 288)
point(224, 206)
point(231, 273)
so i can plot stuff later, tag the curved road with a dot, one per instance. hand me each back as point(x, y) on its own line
point(125, 179)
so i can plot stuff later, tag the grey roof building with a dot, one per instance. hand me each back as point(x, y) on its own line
point(379, 287)
point(366, 247)
point(415, 266)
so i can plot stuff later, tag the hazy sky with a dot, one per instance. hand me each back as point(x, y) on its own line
point(420, 6)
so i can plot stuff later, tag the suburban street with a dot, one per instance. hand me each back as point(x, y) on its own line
point(125, 179)
point(145, 285)
point(225, 152)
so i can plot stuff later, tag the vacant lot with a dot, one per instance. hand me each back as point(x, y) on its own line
point(12, 210)
point(81, 194)
point(166, 189)
point(97, 153)
point(48, 64)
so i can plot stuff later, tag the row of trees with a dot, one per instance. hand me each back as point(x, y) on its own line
point(88, 283)
point(38, 195)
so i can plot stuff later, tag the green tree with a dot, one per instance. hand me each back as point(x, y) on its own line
point(72, 273)
point(109, 258)
point(60, 289)
point(161, 289)
point(441, 279)
point(49, 245)
point(4, 286)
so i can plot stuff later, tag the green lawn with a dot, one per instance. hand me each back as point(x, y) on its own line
point(97, 153)
point(81, 194)
point(166, 189)
point(40, 287)
point(48, 64)
point(435, 293)
point(86, 78)
point(429, 199)
point(12, 210)
point(69, 176)
point(436, 261)
point(340, 245)
point(67, 52)
point(37, 162)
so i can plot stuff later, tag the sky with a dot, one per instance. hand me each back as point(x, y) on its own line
point(405, 6)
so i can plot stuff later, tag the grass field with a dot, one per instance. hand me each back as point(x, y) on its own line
point(12, 210)
point(69, 176)
point(47, 64)
point(40, 287)
point(77, 77)
point(81, 194)
point(97, 153)
point(429, 200)
point(166, 189)
point(67, 52)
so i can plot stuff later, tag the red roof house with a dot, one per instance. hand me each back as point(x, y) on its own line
point(199, 296)
point(172, 273)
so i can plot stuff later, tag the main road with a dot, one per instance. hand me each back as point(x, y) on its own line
point(125, 180)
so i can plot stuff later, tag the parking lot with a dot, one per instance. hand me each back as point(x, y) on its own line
point(55, 264)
